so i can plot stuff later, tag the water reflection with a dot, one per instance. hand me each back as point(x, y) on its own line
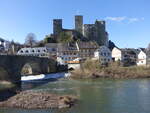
point(98, 96)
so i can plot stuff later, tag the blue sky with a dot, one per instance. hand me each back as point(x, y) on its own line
point(128, 22)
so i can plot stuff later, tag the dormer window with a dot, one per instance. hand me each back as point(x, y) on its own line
point(27, 51)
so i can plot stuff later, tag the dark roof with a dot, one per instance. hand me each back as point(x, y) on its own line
point(143, 49)
point(129, 50)
point(51, 45)
point(1, 39)
point(88, 45)
point(67, 47)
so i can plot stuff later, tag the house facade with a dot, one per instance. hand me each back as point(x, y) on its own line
point(126, 56)
point(117, 54)
point(142, 58)
point(38, 52)
point(68, 53)
point(103, 54)
point(87, 49)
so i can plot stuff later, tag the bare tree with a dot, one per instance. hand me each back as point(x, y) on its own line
point(30, 39)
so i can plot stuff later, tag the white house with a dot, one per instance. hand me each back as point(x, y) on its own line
point(117, 54)
point(38, 51)
point(125, 54)
point(103, 54)
point(142, 58)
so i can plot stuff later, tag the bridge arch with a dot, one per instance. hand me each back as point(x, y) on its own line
point(12, 65)
point(30, 68)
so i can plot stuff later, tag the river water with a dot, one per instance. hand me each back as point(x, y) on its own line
point(96, 96)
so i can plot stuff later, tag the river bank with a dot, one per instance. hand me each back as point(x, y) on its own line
point(38, 100)
point(7, 89)
point(92, 69)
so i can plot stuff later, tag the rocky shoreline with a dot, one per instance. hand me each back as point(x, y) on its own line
point(38, 100)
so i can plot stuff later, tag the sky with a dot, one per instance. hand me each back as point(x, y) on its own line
point(127, 21)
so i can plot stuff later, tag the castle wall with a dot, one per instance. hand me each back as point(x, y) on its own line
point(89, 31)
point(96, 32)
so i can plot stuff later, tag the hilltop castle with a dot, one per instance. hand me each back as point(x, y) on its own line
point(92, 32)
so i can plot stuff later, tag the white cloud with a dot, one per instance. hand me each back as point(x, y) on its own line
point(131, 20)
point(119, 19)
point(123, 18)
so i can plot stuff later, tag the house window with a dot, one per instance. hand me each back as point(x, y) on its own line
point(38, 50)
point(27, 51)
point(53, 49)
point(33, 51)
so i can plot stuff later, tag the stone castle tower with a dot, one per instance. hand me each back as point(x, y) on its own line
point(93, 32)
point(57, 27)
point(79, 23)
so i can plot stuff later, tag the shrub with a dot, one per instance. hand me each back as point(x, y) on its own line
point(114, 70)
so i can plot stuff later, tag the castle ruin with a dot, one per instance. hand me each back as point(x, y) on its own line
point(92, 32)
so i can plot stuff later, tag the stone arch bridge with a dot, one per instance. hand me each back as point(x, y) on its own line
point(11, 66)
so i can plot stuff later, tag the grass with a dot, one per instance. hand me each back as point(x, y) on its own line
point(93, 69)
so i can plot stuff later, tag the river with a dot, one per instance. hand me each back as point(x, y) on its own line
point(96, 96)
